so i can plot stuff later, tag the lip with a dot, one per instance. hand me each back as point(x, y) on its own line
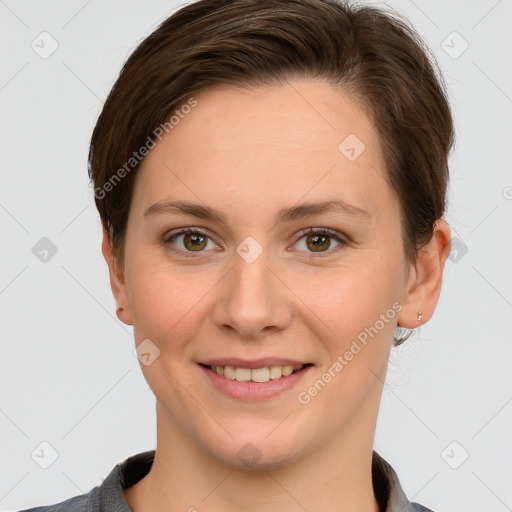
point(254, 363)
point(253, 391)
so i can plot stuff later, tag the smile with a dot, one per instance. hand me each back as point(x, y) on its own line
point(257, 383)
point(255, 374)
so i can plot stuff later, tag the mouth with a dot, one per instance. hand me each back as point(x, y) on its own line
point(261, 374)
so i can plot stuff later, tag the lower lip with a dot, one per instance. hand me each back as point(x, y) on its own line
point(254, 391)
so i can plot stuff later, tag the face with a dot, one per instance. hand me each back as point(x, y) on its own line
point(249, 274)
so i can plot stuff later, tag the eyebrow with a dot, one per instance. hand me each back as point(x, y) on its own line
point(284, 215)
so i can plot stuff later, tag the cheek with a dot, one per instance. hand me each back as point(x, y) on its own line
point(166, 299)
point(348, 298)
point(358, 310)
point(339, 301)
point(359, 313)
point(167, 309)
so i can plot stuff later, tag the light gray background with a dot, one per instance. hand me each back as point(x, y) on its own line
point(68, 375)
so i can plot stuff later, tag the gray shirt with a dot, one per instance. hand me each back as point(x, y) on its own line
point(109, 497)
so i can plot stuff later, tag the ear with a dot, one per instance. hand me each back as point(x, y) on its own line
point(117, 281)
point(425, 279)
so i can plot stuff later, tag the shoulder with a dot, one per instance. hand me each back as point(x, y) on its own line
point(107, 496)
point(74, 504)
point(420, 508)
point(388, 490)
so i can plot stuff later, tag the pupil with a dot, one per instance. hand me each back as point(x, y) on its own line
point(196, 240)
point(319, 241)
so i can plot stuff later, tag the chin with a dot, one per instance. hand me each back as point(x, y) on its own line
point(258, 450)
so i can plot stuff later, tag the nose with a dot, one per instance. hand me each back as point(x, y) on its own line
point(252, 299)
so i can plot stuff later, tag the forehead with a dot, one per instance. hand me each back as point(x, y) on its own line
point(311, 114)
point(265, 145)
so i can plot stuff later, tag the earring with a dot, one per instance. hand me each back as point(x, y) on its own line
point(420, 316)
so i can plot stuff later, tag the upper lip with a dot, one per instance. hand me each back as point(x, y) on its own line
point(254, 363)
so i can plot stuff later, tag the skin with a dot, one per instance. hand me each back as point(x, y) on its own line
point(248, 153)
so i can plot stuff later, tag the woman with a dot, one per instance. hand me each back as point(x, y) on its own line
point(271, 178)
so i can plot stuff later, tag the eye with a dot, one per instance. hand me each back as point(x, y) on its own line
point(314, 240)
point(192, 240)
point(319, 241)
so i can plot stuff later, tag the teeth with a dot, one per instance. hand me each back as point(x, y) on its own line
point(229, 371)
point(257, 374)
point(260, 374)
point(243, 374)
point(287, 370)
point(275, 372)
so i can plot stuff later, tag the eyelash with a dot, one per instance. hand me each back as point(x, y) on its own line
point(343, 241)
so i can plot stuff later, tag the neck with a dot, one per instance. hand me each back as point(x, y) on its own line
point(184, 477)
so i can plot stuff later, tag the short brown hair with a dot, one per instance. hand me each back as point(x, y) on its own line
point(372, 55)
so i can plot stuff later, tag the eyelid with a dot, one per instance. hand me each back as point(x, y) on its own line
point(184, 231)
point(187, 230)
point(341, 238)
